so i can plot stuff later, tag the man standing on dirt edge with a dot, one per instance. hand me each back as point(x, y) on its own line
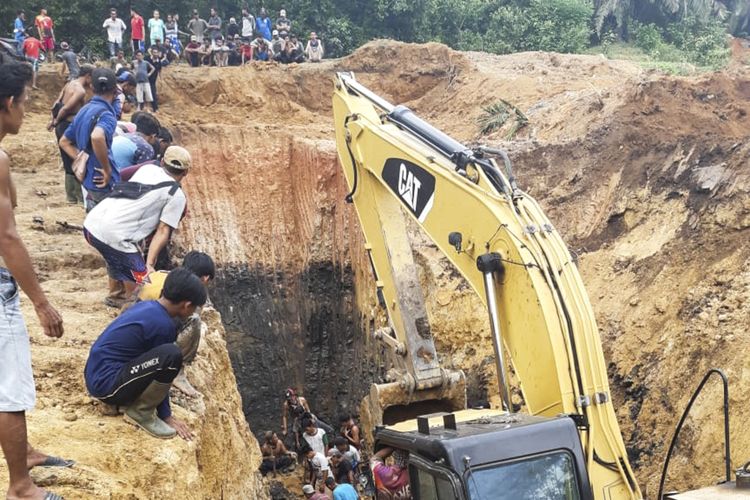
point(17, 391)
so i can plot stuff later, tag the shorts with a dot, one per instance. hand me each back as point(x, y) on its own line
point(48, 43)
point(143, 92)
point(17, 391)
point(121, 266)
point(34, 64)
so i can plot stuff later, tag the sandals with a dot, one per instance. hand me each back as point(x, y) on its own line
point(56, 462)
point(52, 496)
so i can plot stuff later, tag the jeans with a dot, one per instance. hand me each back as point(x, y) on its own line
point(114, 47)
point(17, 391)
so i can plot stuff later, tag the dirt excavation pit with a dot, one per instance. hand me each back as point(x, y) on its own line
point(645, 175)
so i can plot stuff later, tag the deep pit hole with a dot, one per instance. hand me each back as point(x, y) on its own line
point(294, 329)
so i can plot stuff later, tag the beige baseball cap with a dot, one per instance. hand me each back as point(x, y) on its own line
point(178, 157)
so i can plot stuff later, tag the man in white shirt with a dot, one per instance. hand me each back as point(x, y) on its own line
point(115, 28)
point(248, 25)
point(315, 437)
point(150, 203)
point(318, 467)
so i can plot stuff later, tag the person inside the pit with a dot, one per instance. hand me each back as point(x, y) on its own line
point(341, 491)
point(314, 436)
point(92, 132)
point(135, 360)
point(152, 201)
point(343, 470)
point(310, 494)
point(391, 481)
point(17, 390)
point(138, 147)
point(70, 101)
point(347, 451)
point(275, 455)
point(295, 406)
point(317, 468)
point(349, 429)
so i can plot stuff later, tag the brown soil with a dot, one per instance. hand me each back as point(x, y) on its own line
point(114, 460)
point(644, 174)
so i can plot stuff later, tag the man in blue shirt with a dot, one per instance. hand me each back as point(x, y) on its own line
point(137, 147)
point(341, 491)
point(19, 31)
point(92, 132)
point(135, 359)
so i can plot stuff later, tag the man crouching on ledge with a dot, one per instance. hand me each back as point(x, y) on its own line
point(135, 359)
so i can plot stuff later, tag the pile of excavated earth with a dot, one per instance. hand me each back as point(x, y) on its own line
point(645, 175)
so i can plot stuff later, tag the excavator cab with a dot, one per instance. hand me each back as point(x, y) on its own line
point(489, 454)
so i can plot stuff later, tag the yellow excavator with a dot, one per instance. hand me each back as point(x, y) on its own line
point(568, 443)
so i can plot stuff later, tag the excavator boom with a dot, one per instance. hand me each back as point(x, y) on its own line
point(499, 239)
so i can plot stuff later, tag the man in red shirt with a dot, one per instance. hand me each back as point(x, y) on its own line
point(137, 33)
point(46, 29)
point(31, 47)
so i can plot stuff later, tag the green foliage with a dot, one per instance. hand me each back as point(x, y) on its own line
point(493, 117)
point(683, 30)
point(691, 40)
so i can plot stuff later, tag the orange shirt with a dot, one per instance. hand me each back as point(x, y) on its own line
point(45, 25)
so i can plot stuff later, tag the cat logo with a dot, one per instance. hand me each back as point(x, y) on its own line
point(408, 187)
point(413, 185)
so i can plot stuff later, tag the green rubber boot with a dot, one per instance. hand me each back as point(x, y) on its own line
point(143, 411)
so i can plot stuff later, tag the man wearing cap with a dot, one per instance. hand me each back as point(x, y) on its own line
point(117, 226)
point(311, 494)
point(277, 44)
point(233, 29)
point(69, 62)
point(283, 23)
point(91, 133)
point(192, 52)
point(70, 101)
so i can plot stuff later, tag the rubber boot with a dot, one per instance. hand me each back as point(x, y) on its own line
point(143, 411)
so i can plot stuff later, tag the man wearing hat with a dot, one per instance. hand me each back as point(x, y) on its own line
point(70, 62)
point(91, 133)
point(152, 202)
point(277, 43)
point(311, 494)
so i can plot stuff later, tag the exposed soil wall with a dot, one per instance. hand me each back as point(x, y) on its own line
point(644, 175)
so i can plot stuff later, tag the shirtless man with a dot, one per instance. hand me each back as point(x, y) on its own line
point(275, 455)
point(17, 392)
point(71, 100)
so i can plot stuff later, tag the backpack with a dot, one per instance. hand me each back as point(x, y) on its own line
point(135, 190)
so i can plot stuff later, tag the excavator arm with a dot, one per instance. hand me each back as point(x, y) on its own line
point(499, 239)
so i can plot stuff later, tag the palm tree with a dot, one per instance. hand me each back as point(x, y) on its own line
point(621, 10)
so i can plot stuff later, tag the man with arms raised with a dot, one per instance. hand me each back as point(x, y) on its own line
point(17, 392)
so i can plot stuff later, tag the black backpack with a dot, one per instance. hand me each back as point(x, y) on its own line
point(134, 190)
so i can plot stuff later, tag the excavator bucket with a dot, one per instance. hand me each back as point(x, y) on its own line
point(394, 402)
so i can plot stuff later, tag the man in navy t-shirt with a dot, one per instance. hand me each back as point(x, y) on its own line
point(135, 359)
point(92, 131)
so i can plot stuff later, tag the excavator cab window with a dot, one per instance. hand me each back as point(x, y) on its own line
point(432, 482)
point(551, 476)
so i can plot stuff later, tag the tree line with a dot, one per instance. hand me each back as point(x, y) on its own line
point(498, 26)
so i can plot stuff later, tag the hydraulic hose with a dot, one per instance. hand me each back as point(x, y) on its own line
point(350, 197)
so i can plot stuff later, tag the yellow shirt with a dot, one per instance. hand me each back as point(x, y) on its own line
point(152, 289)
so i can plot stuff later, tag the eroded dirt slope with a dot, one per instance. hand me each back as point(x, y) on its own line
point(645, 175)
point(114, 460)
